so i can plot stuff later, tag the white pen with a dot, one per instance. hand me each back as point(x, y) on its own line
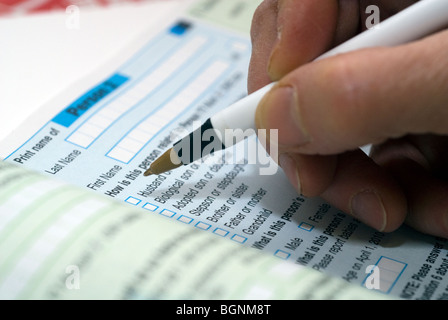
point(421, 19)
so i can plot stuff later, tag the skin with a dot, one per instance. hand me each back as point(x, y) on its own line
point(393, 98)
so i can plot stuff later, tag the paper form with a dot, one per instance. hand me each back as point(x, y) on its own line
point(104, 140)
point(72, 244)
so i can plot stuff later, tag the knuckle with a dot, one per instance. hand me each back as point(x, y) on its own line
point(349, 89)
point(343, 82)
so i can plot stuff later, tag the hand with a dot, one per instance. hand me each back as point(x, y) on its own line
point(393, 98)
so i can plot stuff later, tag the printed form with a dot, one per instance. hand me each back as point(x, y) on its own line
point(59, 241)
point(105, 138)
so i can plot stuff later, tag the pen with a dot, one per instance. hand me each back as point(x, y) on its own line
point(421, 19)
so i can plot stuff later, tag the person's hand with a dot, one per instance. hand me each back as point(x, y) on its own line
point(394, 98)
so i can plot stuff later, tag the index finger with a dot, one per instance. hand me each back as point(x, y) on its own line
point(306, 29)
point(288, 33)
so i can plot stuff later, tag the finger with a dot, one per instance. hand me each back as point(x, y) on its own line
point(367, 192)
point(363, 97)
point(426, 193)
point(309, 175)
point(385, 8)
point(263, 37)
point(305, 29)
point(435, 150)
point(351, 182)
point(348, 21)
point(388, 8)
point(288, 33)
point(429, 151)
point(427, 200)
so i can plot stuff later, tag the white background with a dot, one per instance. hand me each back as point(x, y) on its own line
point(40, 56)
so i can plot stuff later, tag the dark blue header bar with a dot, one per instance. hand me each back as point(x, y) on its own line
point(75, 110)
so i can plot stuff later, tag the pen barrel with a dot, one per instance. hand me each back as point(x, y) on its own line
point(224, 129)
point(199, 143)
point(237, 121)
point(413, 23)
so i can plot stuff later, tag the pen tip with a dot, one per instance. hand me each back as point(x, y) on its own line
point(163, 164)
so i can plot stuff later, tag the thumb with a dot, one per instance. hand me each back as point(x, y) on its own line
point(350, 100)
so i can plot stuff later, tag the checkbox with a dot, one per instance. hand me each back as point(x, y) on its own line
point(202, 225)
point(133, 201)
point(305, 226)
point(150, 207)
point(167, 213)
point(282, 254)
point(220, 232)
point(238, 238)
point(185, 219)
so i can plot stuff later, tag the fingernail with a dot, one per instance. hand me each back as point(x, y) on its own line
point(279, 109)
point(290, 168)
point(368, 207)
point(272, 70)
